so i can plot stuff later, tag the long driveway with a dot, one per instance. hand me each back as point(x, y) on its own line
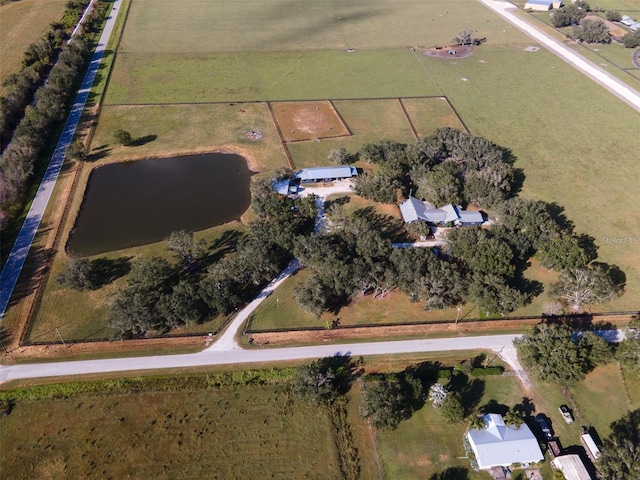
point(18, 255)
point(232, 355)
point(590, 69)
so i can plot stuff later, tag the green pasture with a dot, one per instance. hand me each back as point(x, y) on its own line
point(278, 25)
point(21, 23)
point(235, 432)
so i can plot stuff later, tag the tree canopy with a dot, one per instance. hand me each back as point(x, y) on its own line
point(390, 400)
point(555, 352)
point(620, 452)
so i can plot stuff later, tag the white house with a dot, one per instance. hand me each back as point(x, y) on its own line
point(502, 445)
point(320, 174)
point(413, 209)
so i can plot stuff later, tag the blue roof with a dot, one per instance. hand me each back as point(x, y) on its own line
point(541, 2)
point(282, 186)
point(320, 173)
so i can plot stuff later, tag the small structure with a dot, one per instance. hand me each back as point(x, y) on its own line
point(571, 467)
point(593, 452)
point(539, 5)
point(503, 445)
point(413, 209)
point(325, 174)
point(627, 20)
point(285, 186)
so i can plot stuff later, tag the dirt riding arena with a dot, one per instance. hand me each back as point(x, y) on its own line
point(449, 52)
point(304, 121)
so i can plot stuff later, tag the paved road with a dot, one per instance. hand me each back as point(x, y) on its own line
point(18, 255)
point(233, 355)
point(590, 69)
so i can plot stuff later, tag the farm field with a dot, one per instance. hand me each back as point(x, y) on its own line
point(21, 23)
point(224, 433)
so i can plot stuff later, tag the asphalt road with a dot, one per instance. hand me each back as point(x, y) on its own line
point(590, 69)
point(18, 255)
point(233, 355)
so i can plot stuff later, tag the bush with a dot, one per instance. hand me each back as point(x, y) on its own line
point(613, 16)
point(122, 137)
point(631, 39)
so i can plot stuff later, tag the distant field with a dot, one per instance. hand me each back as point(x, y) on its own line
point(240, 432)
point(21, 23)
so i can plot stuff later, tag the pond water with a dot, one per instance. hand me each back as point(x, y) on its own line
point(135, 203)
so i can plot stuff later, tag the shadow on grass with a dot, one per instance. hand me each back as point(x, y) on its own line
point(451, 473)
point(138, 142)
point(106, 271)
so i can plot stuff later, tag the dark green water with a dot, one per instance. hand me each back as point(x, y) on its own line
point(135, 203)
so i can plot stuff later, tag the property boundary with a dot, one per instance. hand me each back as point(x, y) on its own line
point(406, 115)
point(277, 126)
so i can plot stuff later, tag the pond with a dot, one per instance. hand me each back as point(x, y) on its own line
point(135, 203)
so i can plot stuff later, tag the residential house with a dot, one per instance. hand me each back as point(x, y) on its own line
point(413, 210)
point(503, 445)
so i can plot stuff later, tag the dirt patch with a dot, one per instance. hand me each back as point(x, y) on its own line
point(614, 30)
point(449, 51)
point(303, 121)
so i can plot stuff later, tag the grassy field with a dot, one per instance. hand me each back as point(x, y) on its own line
point(21, 23)
point(239, 432)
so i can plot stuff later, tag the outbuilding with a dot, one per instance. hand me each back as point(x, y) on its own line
point(326, 174)
point(572, 467)
point(539, 5)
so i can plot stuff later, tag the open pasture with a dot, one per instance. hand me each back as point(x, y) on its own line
point(21, 23)
point(239, 432)
point(299, 121)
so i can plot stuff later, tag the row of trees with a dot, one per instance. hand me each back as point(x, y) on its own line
point(38, 58)
point(450, 166)
point(29, 118)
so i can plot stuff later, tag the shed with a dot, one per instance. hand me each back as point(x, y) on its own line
point(571, 467)
point(557, 3)
point(318, 174)
point(500, 444)
point(589, 444)
point(635, 27)
point(539, 5)
point(627, 20)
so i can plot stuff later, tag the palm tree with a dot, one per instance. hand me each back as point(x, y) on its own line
point(514, 417)
point(477, 422)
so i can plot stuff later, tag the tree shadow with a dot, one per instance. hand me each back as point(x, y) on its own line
point(221, 246)
point(98, 155)
point(451, 473)
point(340, 201)
point(557, 214)
point(494, 407)
point(526, 406)
point(106, 270)
point(615, 273)
point(345, 368)
point(426, 372)
point(138, 142)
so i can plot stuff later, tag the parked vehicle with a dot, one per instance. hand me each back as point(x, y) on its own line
point(541, 420)
point(566, 414)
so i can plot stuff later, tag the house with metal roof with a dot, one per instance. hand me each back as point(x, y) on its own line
point(499, 444)
point(325, 174)
point(627, 20)
point(413, 210)
point(572, 467)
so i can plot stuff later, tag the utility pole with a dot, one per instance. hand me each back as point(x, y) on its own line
point(458, 314)
point(60, 335)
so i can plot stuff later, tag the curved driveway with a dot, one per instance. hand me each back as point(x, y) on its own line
point(591, 70)
point(18, 255)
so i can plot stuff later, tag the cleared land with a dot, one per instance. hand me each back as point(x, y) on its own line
point(21, 23)
point(241, 432)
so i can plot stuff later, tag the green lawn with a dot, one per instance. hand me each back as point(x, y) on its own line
point(236, 432)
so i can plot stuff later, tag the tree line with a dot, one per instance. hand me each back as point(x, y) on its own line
point(36, 99)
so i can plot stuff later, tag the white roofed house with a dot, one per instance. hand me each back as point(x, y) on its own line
point(503, 445)
point(413, 210)
point(321, 174)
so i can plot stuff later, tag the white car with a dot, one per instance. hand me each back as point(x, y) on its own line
point(566, 413)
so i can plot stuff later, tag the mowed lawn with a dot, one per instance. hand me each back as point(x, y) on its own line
point(240, 432)
point(576, 143)
point(21, 23)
